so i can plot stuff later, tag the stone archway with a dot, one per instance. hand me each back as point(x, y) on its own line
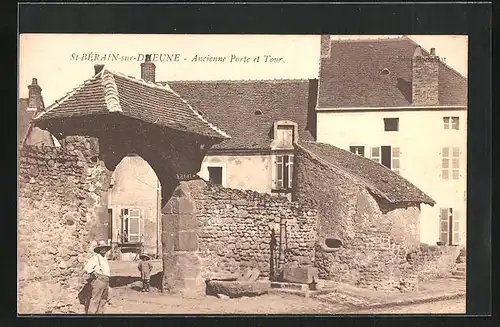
point(174, 156)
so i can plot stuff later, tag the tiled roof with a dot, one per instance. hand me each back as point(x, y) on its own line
point(379, 179)
point(23, 120)
point(110, 91)
point(351, 76)
point(232, 105)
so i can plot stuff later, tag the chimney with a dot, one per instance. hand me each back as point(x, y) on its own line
point(148, 69)
point(326, 46)
point(98, 68)
point(35, 100)
point(425, 78)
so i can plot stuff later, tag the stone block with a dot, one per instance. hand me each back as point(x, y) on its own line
point(179, 205)
point(236, 289)
point(170, 223)
point(304, 275)
point(186, 241)
point(188, 222)
point(249, 275)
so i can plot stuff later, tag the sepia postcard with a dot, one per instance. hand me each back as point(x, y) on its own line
point(242, 174)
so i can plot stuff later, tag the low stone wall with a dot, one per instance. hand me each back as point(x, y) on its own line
point(426, 262)
point(239, 229)
point(61, 210)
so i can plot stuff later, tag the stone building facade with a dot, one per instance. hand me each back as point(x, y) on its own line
point(368, 219)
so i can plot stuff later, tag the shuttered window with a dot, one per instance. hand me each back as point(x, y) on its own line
point(449, 220)
point(284, 172)
point(444, 226)
point(395, 160)
point(131, 225)
point(450, 163)
point(375, 153)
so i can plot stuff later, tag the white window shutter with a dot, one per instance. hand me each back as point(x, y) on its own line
point(290, 171)
point(279, 171)
point(443, 225)
point(375, 153)
point(456, 227)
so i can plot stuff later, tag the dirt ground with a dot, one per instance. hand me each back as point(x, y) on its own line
point(455, 306)
point(127, 300)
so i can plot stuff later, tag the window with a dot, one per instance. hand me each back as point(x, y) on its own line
point(284, 171)
point(395, 160)
point(284, 135)
point(388, 156)
point(451, 123)
point(391, 124)
point(131, 226)
point(375, 155)
point(449, 226)
point(450, 163)
point(359, 150)
point(215, 175)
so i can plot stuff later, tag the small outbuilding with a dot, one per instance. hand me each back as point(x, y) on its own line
point(368, 215)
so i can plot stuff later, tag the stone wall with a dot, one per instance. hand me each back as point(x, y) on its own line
point(374, 238)
point(61, 211)
point(240, 229)
point(212, 232)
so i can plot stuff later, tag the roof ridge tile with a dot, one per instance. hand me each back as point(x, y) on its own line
point(167, 88)
point(239, 80)
point(110, 92)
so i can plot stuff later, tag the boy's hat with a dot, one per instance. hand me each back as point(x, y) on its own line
point(144, 257)
point(102, 245)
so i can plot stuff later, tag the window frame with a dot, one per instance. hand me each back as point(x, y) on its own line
point(377, 158)
point(282, 130)
point(126, 225)
point(387, 124)
point(279, 169)
point(450, 122)
point(222, 179)
point(450, 163)
point(357, 147)
point(449, 226)
point(395, 158)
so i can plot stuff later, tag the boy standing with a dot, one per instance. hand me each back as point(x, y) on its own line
point(145, 268)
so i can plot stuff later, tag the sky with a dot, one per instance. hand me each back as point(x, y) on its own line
point(61, 62)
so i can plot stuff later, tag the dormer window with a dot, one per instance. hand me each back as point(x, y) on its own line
point(385, 71)
point(285, 135)
point(258, 113)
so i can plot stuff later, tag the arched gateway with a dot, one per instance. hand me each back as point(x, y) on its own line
point(111, 115)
